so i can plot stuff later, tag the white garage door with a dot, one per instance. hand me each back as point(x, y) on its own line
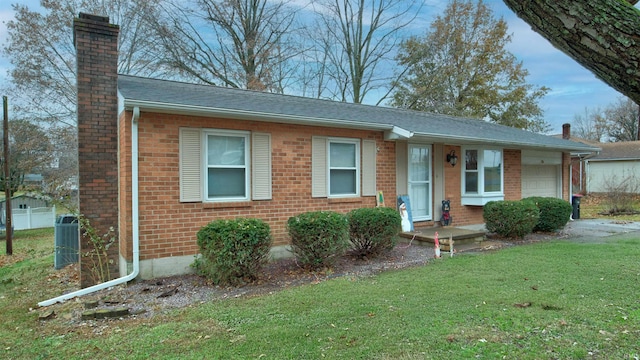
point(540, 180)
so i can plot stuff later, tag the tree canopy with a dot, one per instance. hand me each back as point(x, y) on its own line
point(462, 67)
point(257, 44)
point(30, 149)
point(40, 47)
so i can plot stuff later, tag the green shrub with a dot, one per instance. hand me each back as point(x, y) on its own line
point(373, 230)
point(318, 237)
point(554, 213)
point(233, 251)
point(510, 218)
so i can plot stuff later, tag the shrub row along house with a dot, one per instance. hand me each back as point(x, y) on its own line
point(160, 159)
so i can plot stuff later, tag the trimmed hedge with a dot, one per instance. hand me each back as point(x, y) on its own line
point(511, 218)
point(233, 251)
point(554, 213)
point(318, 237)
point(373, 230)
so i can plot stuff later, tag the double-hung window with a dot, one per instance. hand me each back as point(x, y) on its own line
point(344, 158)
point(227, 164)
point(482, 178)
point(343, 167)
point(224, 165)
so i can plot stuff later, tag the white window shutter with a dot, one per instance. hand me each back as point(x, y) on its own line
point(319, 166)
point(190, 165)
point(261, 166)
point(368, 168)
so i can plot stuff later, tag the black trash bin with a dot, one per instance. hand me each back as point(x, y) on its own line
point(575, 202)
point(67, 243)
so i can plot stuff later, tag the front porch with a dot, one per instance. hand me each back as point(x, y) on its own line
point(464, 238)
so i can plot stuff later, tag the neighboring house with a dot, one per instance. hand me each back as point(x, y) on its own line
point(160, 159)
point(615, 168)
point(29, 211)
point(26, 201)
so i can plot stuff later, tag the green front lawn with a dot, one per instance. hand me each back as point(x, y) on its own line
point(555, 300)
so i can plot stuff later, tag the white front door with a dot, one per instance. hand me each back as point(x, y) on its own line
point(420, 182)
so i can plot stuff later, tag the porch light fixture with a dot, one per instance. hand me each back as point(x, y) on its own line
point(452, 158)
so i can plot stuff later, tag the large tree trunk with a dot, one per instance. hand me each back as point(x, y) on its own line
point(601, 35)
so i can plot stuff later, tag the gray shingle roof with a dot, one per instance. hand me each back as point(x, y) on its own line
point(626, 150)
point(179, 97)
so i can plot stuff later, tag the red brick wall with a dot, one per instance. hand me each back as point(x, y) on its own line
point(97, 53)
point(452, 185)
point(168, 227)
point(471, 215)
point(512, 174)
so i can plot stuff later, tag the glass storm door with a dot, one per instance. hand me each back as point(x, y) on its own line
point(420, 182)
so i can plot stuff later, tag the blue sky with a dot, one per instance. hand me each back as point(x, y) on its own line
point(573, 88)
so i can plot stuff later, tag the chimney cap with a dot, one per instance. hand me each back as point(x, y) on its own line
point(97, 18)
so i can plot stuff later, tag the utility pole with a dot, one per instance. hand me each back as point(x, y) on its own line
point(7, 178)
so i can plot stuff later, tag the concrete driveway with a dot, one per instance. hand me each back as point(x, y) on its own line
point(586, 229)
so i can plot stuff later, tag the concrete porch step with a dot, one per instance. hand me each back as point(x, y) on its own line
point(460, 237)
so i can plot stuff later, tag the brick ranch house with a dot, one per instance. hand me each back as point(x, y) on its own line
point(160, 159)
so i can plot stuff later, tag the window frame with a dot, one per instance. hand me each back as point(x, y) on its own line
point(356, 168)
point(481, 197)
point(247, 164)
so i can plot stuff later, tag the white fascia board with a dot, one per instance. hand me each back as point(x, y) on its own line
point(469, 140)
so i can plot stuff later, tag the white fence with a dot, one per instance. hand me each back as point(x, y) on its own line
point(32, 218)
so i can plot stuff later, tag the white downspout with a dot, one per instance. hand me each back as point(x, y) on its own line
point(570, 181)
point(134, 223)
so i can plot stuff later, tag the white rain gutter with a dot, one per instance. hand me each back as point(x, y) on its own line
point(134, 222)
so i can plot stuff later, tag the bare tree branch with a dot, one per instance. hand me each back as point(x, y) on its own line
point(359, 38)
point(235, 43)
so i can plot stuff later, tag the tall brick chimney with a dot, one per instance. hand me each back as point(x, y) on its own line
point(566, 131)
point(96, 43)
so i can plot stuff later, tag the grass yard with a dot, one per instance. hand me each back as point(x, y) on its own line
point(553, 300)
